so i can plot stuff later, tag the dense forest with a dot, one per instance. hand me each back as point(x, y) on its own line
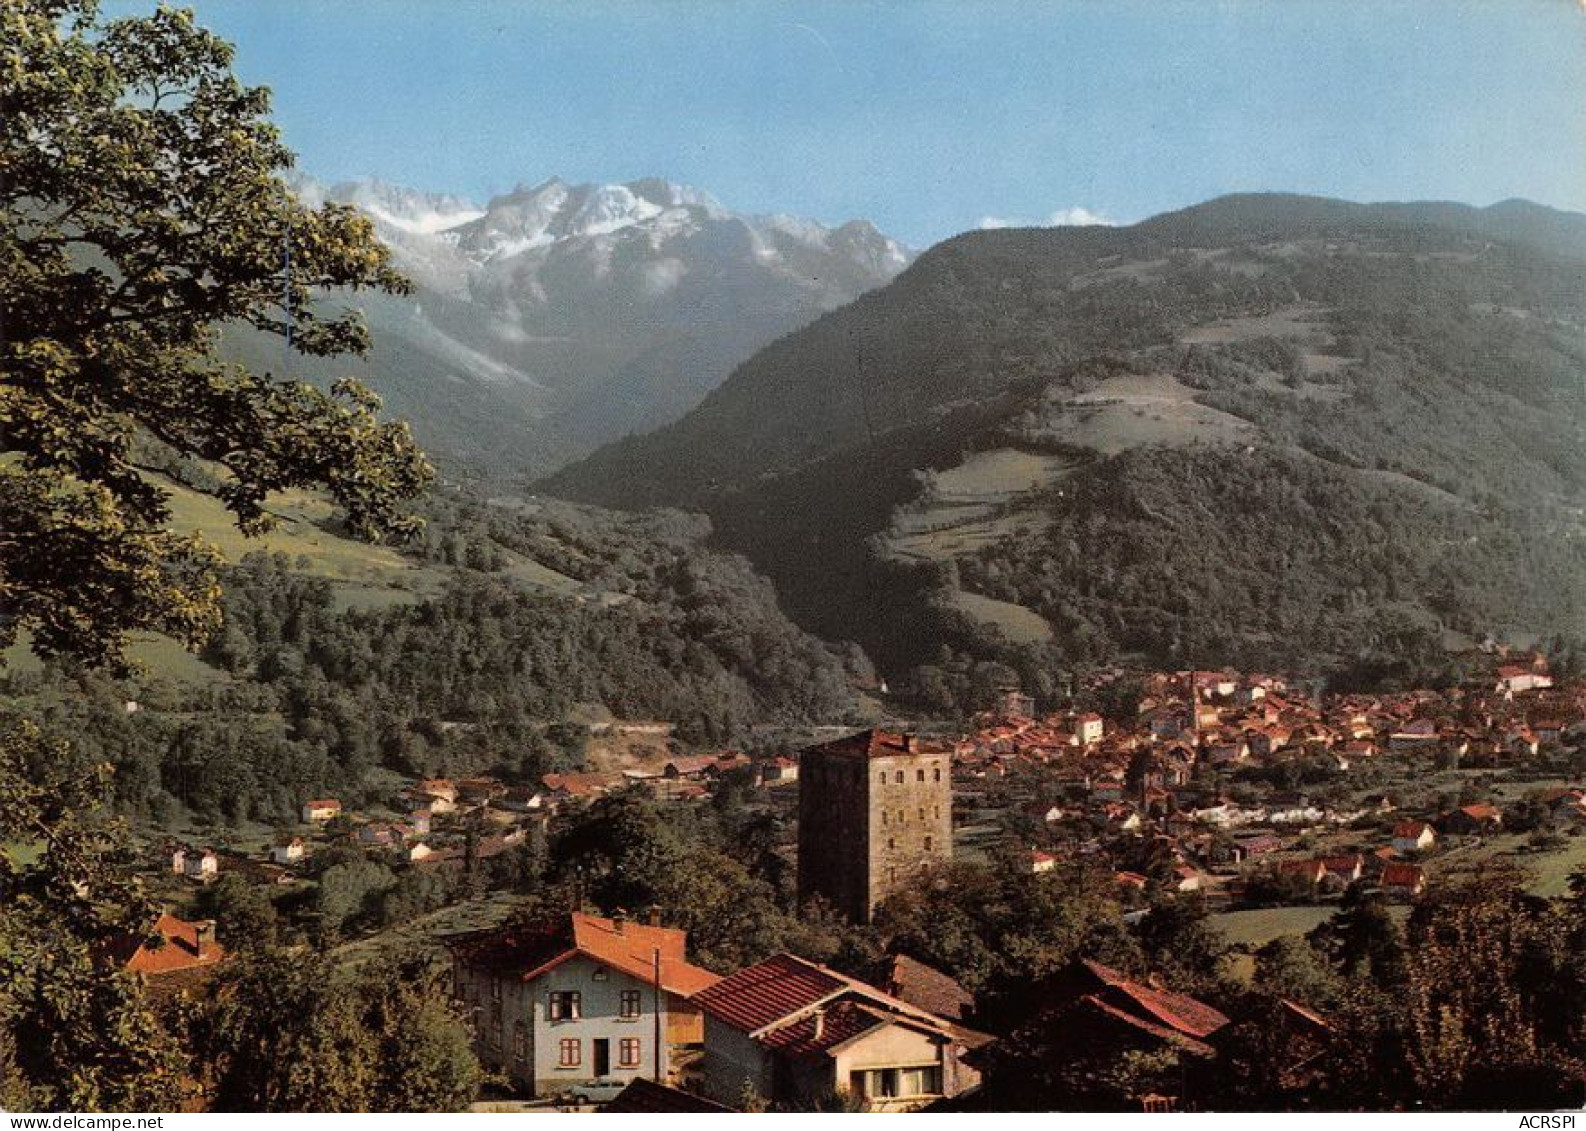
point(1273, 559)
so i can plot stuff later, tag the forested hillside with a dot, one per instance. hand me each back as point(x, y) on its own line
point(1268, 430)
point(511, 617)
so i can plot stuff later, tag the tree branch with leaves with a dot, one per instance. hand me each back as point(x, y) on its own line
point(144, 205)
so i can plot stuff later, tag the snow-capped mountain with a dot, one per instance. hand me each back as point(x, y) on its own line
point(558, 317)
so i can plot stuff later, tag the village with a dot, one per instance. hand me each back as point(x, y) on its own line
point(1253, 796)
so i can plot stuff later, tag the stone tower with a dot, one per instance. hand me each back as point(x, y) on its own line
point(874, 810)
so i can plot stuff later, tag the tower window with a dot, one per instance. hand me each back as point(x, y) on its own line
point(938, 773)
point(919, 775)
point(900, 777)
point(882, 778)
point(927, 844)
point(922, 812)
point(883, 816)
point(892, 842)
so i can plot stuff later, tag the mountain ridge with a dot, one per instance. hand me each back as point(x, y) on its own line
point(1419, 350)
point(556, 317)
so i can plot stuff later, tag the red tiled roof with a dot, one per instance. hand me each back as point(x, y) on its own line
point(179, 950)
point(877, 743)
point(527, 953)
point(1401, 875)
point(772, 1001)
point(762, 994)
point(839, 1022)
point(928, 988)
point(1178, 1011)
point(1161, 1032)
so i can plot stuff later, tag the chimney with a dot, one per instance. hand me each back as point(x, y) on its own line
point(820, 1024)
point(204, 934)
point(655, 915)
point(619, 920)
point(911, 742)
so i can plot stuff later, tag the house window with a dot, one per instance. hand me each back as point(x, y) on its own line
point(919, 775)
point(628, 1052)
point(923, 1081)
point(599, 976)
point(520, 1042)
point(630, 1003)
point(565, 1005)
point(897, 1083)
point(570, 1053)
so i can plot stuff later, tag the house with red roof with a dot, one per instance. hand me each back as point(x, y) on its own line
point(1312, 871)
point(578, 1002)
point(1474, 820)
point(1092, 1012)
point(788, 1029)
point(321, 809)
point(1402, 881)
point(1413, 836)
point(173, 957)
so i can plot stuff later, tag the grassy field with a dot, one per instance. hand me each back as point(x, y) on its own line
point(159, 656)
point(295, 534)
point(1018, 624)
point(1258, 927)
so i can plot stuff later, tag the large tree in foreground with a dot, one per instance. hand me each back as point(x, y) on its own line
point(143, 208)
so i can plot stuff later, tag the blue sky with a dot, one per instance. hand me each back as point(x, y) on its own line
point(929, 117)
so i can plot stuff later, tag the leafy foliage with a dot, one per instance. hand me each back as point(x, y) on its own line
point(143, 204)
point(74, 1033)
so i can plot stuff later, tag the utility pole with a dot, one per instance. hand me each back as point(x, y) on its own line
point(660, 1046)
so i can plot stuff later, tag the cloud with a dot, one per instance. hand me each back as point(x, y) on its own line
point(1075, 217)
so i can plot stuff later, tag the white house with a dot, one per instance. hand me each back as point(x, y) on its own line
point(790, 1030)
point(1413, 836)
point(577, 1002)
point(323, 809)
